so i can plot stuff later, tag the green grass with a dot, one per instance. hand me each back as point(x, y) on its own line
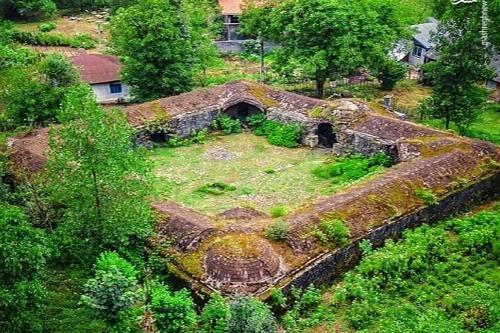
point(243, 161)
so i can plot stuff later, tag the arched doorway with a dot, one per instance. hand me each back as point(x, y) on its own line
point(242, 111)
point(325, 135)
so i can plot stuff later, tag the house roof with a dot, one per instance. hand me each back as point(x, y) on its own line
point(97, 68)
point(424, 32)
point(231, 6)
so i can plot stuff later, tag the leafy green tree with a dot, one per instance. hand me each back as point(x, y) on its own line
point(114, 287)
point(322, 39)
point(23, 254)
point(215, 315)
point(462, 66)
point(97, 178)
point(390, 72)
point(29, 8)
point(173, 311)
point(156, 48)
point(58, 71)
point(249, 315)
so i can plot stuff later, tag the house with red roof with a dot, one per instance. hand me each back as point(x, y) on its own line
point(231, 39)
point(102, 72)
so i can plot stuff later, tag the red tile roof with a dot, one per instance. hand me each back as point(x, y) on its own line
point(231, 6)
point(97, 68)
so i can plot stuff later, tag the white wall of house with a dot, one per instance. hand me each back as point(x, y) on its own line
point(417, 55)
point(103, 92)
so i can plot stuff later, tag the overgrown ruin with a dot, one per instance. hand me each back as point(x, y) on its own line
point(230, 253)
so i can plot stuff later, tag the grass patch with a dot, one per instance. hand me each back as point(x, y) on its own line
point(216, 188)
point(278, 211)
point(278, 231)
point(244, 161)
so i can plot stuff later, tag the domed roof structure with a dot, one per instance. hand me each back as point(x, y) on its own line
point(241, 262)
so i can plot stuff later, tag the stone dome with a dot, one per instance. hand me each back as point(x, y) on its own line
point(241, 260)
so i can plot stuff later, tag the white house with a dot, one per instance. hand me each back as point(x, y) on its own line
point(102, 72)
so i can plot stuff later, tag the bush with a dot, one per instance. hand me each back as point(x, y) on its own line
point(113, 289)
point(278, 134)
point(278, 231)
point(217, 188)
point(333, 233)
point(228, 125)
point(198, 137)
point(46, 27)
point(390, 73)
point(173, 311)
point(249, 315)
point(215, 315)
point(45, 39)
point(278, 211)
point(348, 169)
point(427, 196)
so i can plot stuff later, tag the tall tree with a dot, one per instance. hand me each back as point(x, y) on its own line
point(463, 64)
point(97, 178)
point(322, 39)
point(161, 43)
point(28, 8)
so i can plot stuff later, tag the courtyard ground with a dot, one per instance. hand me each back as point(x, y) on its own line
point(264, 176)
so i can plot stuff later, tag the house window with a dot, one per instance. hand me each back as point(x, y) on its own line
point(115, 88)
point(417, 51)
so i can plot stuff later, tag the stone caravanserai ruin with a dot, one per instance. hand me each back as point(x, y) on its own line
point(230, 253)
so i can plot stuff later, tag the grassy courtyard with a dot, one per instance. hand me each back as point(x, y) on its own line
point(258, 174)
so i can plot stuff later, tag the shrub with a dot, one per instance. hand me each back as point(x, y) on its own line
point(278, 211)
point(390, 73)
point(217, 188)
point(215, 315)
point(278, 231)
point(173, 311)
point(256, 123)
point(197, 137)
point(278, 134)
point(348, 169)
point(113, 289)
point(45, 39)
point(249, 315)
point(333, 233)
point(427, 196)
point(228, 125)
point(46, 27)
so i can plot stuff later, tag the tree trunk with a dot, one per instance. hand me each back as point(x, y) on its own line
point(320, 87)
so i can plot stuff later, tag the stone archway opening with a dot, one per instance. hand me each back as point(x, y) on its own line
point(326, 136)
point(242, 111)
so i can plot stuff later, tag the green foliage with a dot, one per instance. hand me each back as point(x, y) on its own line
point(348, 169)
point(304, 309)
point(390, 73)
point(278, 231)
point(23, 253)
point(215, 315)
point(97, 179)
point(46, 27)
point(197, 137)
point(54, 39)
point(58, 71)
point(427, 196)
point(278, 211)
point(113, 289)
point(332, 233)
point(351, 35)
point(217, 188)
point(227, 124)
point(278, 134)
point(173, 311)
point(29, 8)
point(249, 315)
point(161, 44)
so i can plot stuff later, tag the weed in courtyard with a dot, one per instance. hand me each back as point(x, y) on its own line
point(278, 231)
point(348, 169)
point(427, 196)
point(332, 233)
point(218, 188)
point(278, 211)
point(278, 134)
point(197, 137)
point(227, 124)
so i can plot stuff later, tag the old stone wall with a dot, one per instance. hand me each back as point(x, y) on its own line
point(187, 124)
point(350, 141)
point(332, 265)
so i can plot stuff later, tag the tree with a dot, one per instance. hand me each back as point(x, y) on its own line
point(58, 71)
point(173, 311)
point(249, 315)
point(390, 72)
point(29, 8)
point(114, 287)
point(322, 39)
point(96, 177)
point(156, 48)
point(23, 254)
point(463, 65)
point(215, 315)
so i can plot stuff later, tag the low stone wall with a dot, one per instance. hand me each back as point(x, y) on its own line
point(360, 143)
point(188, 124)
point(332, 265)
